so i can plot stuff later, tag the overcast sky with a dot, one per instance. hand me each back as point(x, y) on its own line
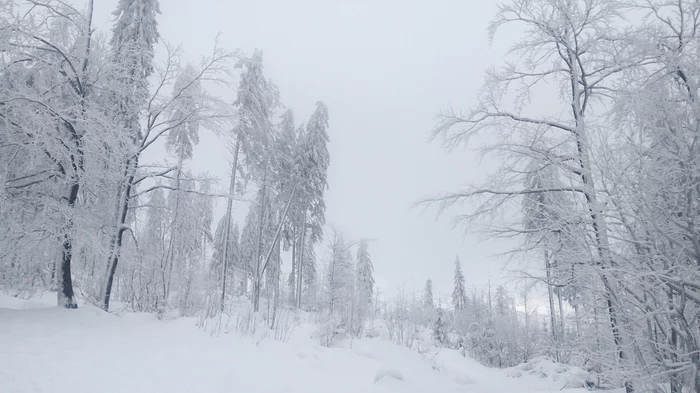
point(385, 69)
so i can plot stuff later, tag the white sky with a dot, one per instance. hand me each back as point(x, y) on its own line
point(385, 69)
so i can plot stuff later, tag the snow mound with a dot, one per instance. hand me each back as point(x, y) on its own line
point(568, 377)
point(386, 372)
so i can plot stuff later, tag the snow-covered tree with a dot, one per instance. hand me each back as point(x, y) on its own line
point(459, 293)
point(153, 245)
point(310, 275)
point(563, 41)
point(180, 142)
point(339, 280)
point(186, 106)
point(364, 276)
point(311, 167)
point(428, 297)
point(52, 105)
point(134, 36)
point(232, 255)
point(364, 273)
point(440, 328)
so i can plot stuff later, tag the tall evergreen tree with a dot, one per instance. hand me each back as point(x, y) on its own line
point(180, 142)
point(233, 255)
point(459, 294)
point(310, 273)
point(134, 36)
point(257, 100)
point(365, 272)
point(312, 167)
point(339, 280)
point(364, 286)
point(428, 302)
point(184, 135)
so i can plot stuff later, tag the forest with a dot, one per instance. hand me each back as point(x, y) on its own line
point(599, 191)
point(82, 209)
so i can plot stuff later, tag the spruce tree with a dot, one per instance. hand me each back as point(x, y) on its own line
point(439, 328)
point(459, 294)
point(428, 301)
point(364, 285)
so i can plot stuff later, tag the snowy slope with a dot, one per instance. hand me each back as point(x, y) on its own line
point(86, 350)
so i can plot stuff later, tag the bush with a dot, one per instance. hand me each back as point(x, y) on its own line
point(331, 332)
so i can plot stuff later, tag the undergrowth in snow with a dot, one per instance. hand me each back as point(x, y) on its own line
point(555, 373)
point(48, 349)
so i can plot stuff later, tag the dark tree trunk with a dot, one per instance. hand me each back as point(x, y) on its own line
point(65, 291)
point(117, 241)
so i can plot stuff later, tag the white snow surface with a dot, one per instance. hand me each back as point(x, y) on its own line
point(47, 349)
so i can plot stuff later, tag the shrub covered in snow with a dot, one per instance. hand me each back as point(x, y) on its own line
point(568, 377)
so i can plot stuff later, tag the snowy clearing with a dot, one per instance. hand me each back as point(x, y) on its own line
point(87, 350)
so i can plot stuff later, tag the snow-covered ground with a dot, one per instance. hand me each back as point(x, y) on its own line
point(46, 349)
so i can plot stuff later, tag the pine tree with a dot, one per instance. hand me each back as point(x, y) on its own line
point(134, 34)
point(339, 280)
point(180, 142)
point(439, 328)
point(364, 270)
point(233, 254)
point(206, 216)
point(309, 268)
point(501, 301)
point(312, 167)
point(186, 267)
point(365, 273)
point(257, 100)
point(152, 245)
point(185, 133)
point(428, 302)
point(459, 294)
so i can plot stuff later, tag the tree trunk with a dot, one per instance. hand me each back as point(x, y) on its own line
point(490, 309)
point(117, 240)
point(170, 256)
point(561, 315)
point(552, 316)
point(300, 268)
point(675, 379)
point(65, 288)
point(276, 288)
point(260, 271)
point(292, 276)
point(257, 279)
point(227, 231)
point(596, 213)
